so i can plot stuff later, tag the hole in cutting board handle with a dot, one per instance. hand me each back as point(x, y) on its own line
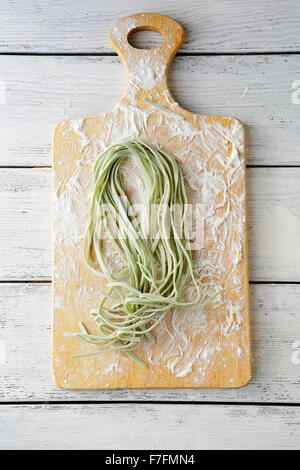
point(145, 39)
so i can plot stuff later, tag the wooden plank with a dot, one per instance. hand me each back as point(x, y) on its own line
point(136, 426)
point(41, 91)
point(25, 214)
point(216, 26)
point(273, 221)
point(25, 366)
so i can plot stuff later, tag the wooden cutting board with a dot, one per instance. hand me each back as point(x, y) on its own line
point(200, 348)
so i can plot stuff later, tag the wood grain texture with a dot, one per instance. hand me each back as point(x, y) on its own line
point(123, 426)
point(217, 353)
point(25, 326)
point(273, 221)
point(40, 91)
point(218, 26)
point(43, 90)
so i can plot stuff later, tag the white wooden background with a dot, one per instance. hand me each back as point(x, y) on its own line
point(240, 58)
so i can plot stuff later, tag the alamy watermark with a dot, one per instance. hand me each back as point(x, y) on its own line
point(296, 354)
point(132, 221)
point(2, 352)
point(296, 92)
point(2, 92)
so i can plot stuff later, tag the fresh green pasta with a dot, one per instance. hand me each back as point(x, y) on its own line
point(154, 250)
point(163, 109)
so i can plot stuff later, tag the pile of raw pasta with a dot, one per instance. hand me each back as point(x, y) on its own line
point(155, 251)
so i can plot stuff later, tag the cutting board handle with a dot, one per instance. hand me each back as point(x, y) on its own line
point(147, 68)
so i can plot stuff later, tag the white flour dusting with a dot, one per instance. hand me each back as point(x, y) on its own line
point(212, 180)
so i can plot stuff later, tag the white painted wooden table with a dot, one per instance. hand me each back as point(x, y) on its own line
point(240, 58)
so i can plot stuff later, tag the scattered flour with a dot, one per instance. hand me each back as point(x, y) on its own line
point(184, 344)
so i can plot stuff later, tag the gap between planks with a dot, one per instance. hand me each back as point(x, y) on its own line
point(150, 402)
point(30, 167)
point(180, 54)
point(49, 281)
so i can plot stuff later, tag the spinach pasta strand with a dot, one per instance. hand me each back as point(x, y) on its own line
point(155, 251)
